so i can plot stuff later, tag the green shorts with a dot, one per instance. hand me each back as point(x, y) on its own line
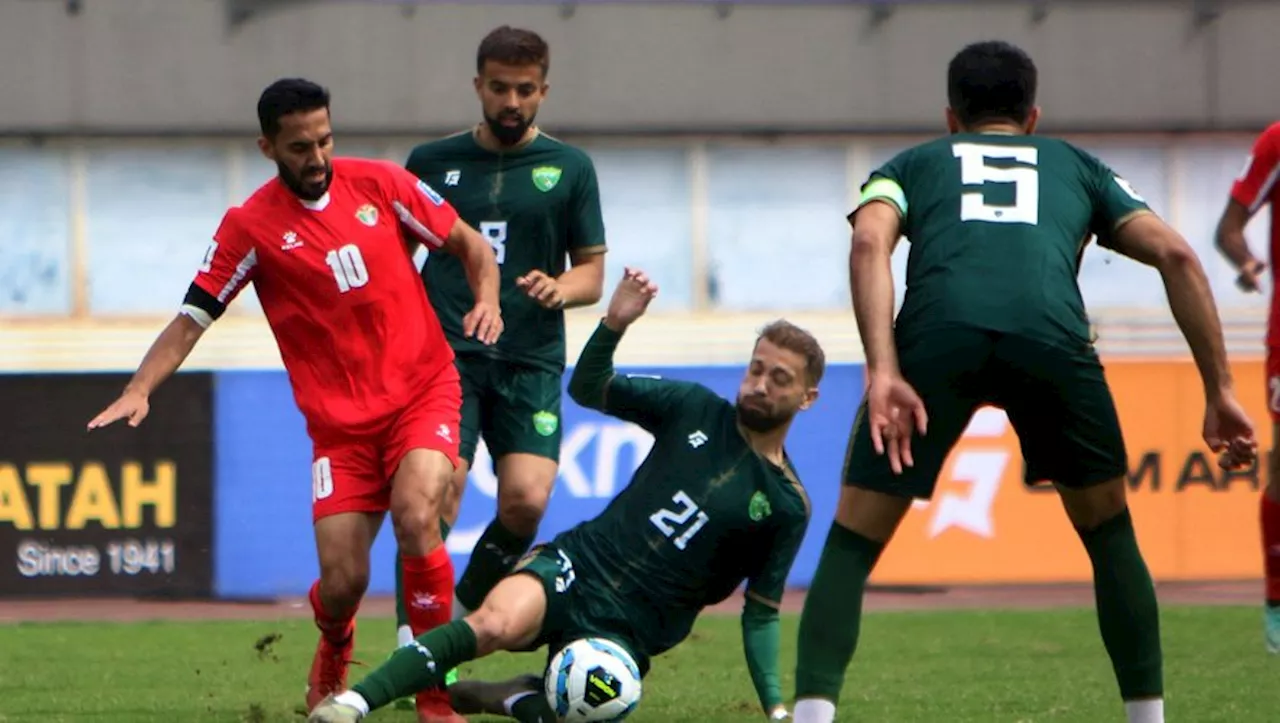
point(578, 606)
point(514, 407)
point(1057, 400)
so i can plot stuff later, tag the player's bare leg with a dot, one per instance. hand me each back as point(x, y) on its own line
point(1271, 547)
point(521, 698)
point(509, 619)
point(864, 523)
point(342, 545)
point(524, 486)
point(417, 493)
point(1128, 614)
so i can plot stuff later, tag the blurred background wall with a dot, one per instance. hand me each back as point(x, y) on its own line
point(730, 140)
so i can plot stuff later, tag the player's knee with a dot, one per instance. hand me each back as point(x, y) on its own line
point(522, 515)
point(494, 630)
point(416, 526)
point(1090, 507)
point(343, 581)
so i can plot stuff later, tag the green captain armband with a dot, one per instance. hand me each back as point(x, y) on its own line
point(884, 189)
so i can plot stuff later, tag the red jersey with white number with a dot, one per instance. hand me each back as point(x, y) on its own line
point(339, 289)
point(1255, 188)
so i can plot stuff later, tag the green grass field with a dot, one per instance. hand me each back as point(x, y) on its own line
point(912, 666)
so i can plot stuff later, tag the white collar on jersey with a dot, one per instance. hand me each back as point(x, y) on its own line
point(319, 204)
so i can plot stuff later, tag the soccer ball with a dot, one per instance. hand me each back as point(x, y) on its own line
point(592, 680)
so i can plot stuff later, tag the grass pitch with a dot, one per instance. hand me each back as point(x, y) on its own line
point(993, 667)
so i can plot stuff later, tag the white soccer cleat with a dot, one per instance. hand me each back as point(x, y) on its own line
point(331, 711)
point(1271, 619)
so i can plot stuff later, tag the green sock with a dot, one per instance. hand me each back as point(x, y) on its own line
point(402, 614)
point(1128, 615)
point(419, 666)
point(833, 613)
point(533, 708)
point(495, 553)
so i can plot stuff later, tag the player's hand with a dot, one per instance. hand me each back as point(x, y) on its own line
point(895, 413)
point(1250, 278)
point(542, 288)
point(1229, 432)
point(132, 406)
point(483, 322)
point(630, 299)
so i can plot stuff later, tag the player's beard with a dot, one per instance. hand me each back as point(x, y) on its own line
point(760, 416)
point(509, 135)
point(306, 190)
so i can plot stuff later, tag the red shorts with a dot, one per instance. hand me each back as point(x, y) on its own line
point(1273, 383)
point(355, 475)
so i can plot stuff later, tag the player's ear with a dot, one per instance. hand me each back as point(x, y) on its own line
point(1033, 118)
point(478, 82)
point(953, 123)
point(810, 396)
point(268, 150)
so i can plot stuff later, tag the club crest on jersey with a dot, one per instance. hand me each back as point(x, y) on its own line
point(545, 178)
point(758, 508)
point(430, 193)
point(368, 214)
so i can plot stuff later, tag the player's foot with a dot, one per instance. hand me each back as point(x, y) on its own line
point(1271, 616)
point(329, 668)
point(434, 707)
point(329, 710)
point(477, 697)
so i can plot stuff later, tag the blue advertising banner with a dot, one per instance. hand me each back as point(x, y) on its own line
point(264, 547)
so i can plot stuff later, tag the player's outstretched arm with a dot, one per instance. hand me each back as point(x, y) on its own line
point(164, 357)
point(1231, 242)
point(761, 643)
point(484, 321)
point(594, 370)
point(876, 227)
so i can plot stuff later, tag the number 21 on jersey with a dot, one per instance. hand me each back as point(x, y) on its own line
point(348, 267)
point(669, 521)
point(976, 170)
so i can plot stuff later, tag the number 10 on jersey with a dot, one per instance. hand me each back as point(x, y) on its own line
point(348, 267)
point(669, 521)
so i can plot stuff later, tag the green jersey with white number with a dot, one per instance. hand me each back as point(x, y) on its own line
point(702, 514)
point(998, 225)
point(535, 204)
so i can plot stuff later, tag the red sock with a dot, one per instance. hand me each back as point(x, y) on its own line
point(337, 630)
point(1271, 547)
point(428, 590)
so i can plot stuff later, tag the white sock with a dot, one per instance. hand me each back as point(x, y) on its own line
point(353, 699)
point(816, 710)
point(404, 636)
point(460, 611)
point(1145, 711)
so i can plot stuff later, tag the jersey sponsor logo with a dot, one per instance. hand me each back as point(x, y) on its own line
point(444, 433)
point(451, 178)
point(1129, 189)
point(545, 423)
point(545, 178)
point(759, 508)
point(697, 439)
point(368, 214)
point(291, 241)
point(430, 193)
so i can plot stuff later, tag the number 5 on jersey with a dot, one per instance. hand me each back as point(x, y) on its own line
point(668, 521)
point(348, 267)
point(976, 170)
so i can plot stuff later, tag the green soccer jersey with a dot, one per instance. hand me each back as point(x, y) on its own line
point(998, 224)
point(702, 514)
point(535, 205)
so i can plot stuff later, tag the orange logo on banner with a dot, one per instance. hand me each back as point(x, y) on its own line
point(1194, 520)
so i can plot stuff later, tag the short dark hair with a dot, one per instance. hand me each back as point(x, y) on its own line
point(785, 335)
point(285, 96)
point(513, 46)
point(991, 80)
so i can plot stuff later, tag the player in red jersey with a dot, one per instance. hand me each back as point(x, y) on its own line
point(327, 245)
point(1255, 188)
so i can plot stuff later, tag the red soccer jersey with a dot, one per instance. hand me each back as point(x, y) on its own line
point(339, 289)
point(1255, 188)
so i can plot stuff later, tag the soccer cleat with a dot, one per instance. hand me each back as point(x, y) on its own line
point(434, 707)
point(1271, 616)
point(329, 668)
point(477, 697)
point(329, 710)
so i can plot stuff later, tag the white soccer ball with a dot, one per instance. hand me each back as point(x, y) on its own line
point(592, 680)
